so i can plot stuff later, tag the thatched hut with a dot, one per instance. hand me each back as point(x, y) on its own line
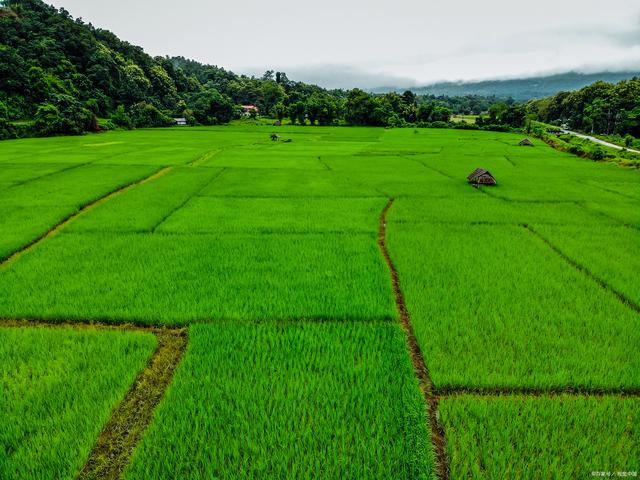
point(526, 143)
point(480, 176)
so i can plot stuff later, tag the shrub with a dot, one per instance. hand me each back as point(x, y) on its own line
point(144, 114)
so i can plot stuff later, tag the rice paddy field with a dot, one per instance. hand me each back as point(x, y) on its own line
point(354, 309)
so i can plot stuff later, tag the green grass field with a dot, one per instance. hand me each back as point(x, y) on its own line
point(523, 299)
point(58, 389)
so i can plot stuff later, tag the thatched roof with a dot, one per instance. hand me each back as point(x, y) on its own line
point(526, 143)
point(480, 176)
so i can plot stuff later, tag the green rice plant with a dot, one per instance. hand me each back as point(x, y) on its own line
point(10, 174)
point(276, 215)
point(58, 388)
point(609, 253)
point(625, 212)
point(251, 157)
point(21, 225)
point(542, 437)
point(493, 306)
point(265, 182)
point(477, 208)
point(143, 208)
point(282, 400)
point(184, 278)
point(76, 187)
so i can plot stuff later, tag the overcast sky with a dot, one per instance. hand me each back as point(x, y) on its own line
point(370, 43)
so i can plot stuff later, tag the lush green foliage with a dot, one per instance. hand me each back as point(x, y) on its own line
point(63, 73)
point(532, 438)
point(604, 108)
point(58, 389)
point(304, 400)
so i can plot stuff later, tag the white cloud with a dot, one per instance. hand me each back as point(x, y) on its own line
point(343, 42)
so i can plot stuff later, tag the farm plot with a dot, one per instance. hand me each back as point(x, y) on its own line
point(29, 210)
point(181, 278)
point(395, 175)
point(612, 254)
point(276, 215)
point(11, 174)
point(278, 400)
point(59, 386)
point(477, 208)
point(143, 208)
point(625, 212)
point(541, 437)
point(22, 225)
point(494, 306)
point(285, 183)
point(251, 157)
point(76, 187)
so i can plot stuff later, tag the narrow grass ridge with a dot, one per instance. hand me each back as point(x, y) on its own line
point(417, 359)
point(59, 226)
point(623, 298)
point(124, 429)
point(119, 437)
point(495, 392)
point(174, 210)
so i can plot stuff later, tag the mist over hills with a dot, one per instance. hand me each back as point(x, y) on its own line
point(521, 89)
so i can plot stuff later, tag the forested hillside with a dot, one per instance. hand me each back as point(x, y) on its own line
point(58, 75)
point(601, 108)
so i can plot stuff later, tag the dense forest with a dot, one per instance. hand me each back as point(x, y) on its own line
point(601, 108)
point(60, 75)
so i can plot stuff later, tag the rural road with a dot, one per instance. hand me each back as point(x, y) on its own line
point(601, 142)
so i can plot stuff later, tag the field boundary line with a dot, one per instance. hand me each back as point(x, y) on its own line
point(50, 174)
point(324, 164)
point(584, 270)
point(417, 359)
point(81, 211)
point(182, 204)
point(513, 164)
point(618, 222)
point(123, 431)
point(608, 190)
point(535, 392)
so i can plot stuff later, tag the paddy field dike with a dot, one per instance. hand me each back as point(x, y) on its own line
point(202, 303)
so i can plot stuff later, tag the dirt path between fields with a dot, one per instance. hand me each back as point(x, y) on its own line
point(131, 417)
point(59, 226)
point(417, 359)
point(122, 433)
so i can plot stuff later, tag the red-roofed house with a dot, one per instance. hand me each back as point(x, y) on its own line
point(248, 110)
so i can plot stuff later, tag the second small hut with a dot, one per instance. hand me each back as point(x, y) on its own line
point(480, 176)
